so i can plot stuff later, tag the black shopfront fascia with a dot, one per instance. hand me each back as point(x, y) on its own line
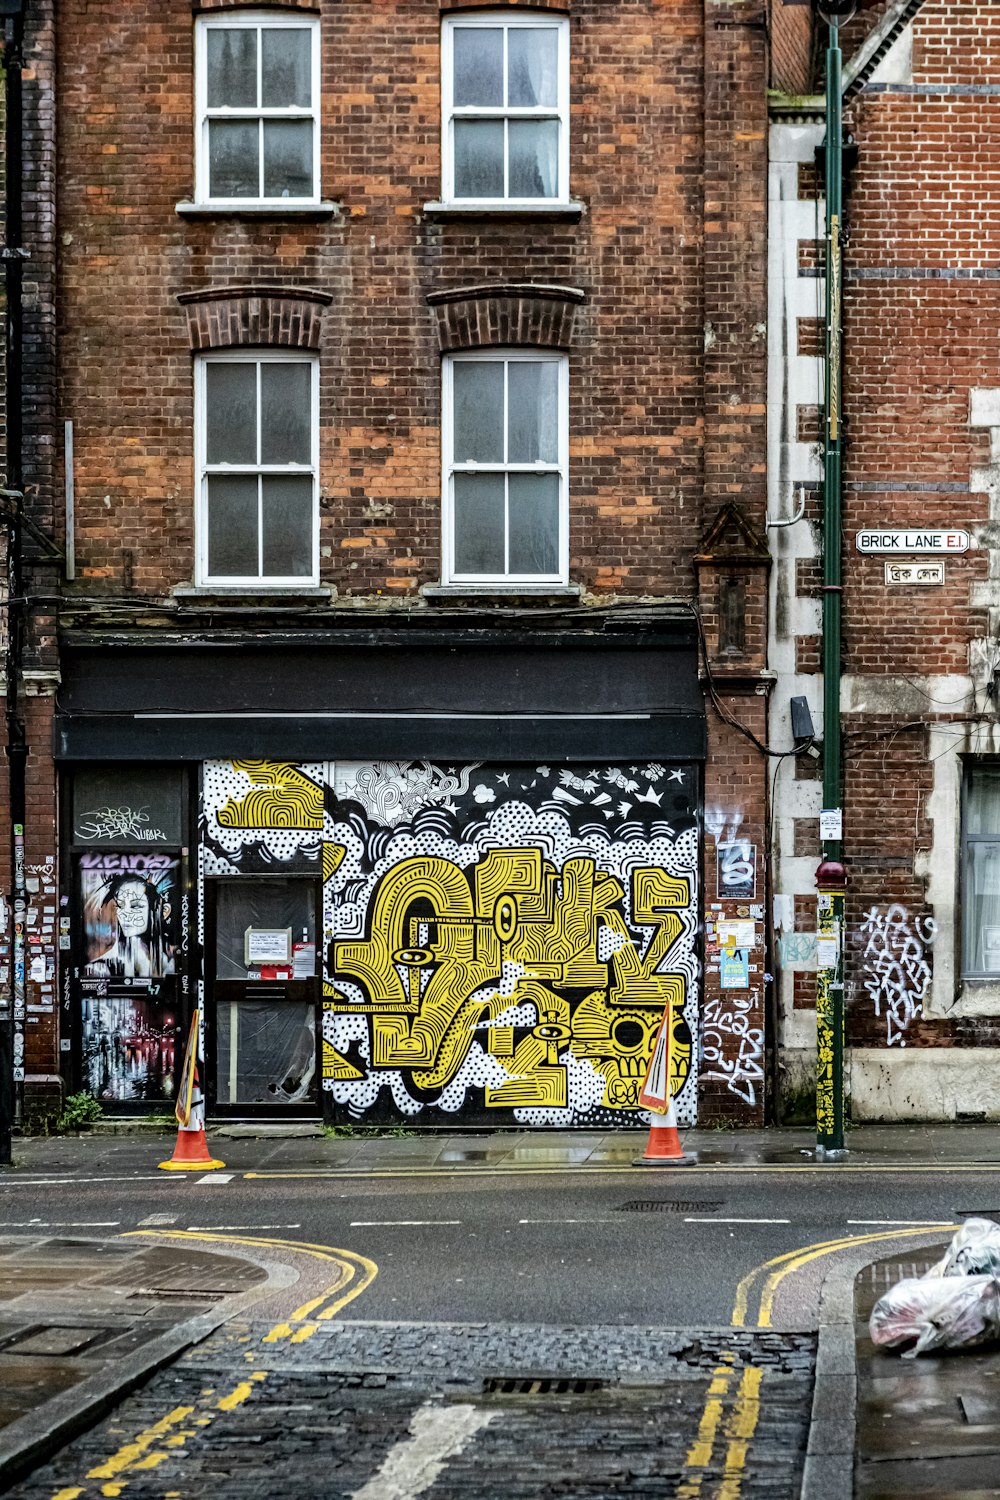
point(385, 695)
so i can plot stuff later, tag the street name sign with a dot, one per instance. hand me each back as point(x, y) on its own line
point(913, 541)
point(921, 573)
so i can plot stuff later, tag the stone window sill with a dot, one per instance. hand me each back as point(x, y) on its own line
point(501, 592)
point(197, 591)
point(974, 997)
point(324, 210)
point(571, 210)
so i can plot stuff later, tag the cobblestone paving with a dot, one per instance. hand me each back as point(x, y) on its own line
point(238, 1420)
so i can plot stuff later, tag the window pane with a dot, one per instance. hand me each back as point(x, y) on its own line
point(983, 803)
point(478, 411)
point(232, 526)
point(288, 159)
point(534, 159)
point(532, 65)
point(982, 908)
point(233, 169)
point(232, 67)
point(287, 522)
point(534, 523)
point(285, 413)
point(286, 67)
point(478, 65)
point(532, 411)
point(230, 413)
point(478, 158)
point(479, 523)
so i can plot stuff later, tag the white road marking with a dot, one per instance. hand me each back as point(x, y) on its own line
point(888, 1222)
point(711, 1219)
point(62, 1224)
point(398, 1223)
point(569, 1221)
point(214, 1228)
point(9, 1182)
point(411, 1466)
point(213, 1177)
point(158, 1219)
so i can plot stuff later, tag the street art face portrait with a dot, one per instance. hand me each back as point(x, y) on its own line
point(127, 916)
point(501, 941)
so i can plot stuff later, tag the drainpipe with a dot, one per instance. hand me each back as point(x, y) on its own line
point(831, 876)
point(12, 1015)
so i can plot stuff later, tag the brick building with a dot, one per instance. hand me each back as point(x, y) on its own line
point(922, 424)
point(395, 391)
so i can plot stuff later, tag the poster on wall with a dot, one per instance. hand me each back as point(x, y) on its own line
point(736, 870)
point(501, 941)
point(128, 906)
point(129, 1046)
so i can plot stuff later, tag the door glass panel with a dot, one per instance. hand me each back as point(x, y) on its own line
point(265, 930)
point(266, 1052)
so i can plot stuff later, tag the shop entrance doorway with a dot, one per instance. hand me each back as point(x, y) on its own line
point(263, 988)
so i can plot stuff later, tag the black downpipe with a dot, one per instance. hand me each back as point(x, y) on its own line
point(12, 1011)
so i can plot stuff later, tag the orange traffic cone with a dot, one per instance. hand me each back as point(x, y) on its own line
point(663, 1149)
point(191, 1152)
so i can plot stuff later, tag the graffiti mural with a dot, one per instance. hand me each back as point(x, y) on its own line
point(896, 971)
point(500, 942)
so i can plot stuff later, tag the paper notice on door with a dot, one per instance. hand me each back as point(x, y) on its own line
point(303, 960)
point(37, 968)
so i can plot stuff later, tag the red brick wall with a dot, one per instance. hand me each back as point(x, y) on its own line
point(652, 202)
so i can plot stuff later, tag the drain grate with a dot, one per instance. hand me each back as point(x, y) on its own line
point(540, 1385)
point(668, 1206)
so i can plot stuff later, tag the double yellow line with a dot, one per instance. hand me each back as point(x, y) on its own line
point(739, 1425)
point(355, 1273)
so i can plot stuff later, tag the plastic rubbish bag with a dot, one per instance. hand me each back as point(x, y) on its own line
point(938, 1312)
point(974, 1251)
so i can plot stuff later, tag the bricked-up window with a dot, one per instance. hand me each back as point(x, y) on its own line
point(506, 440)
point(257, 86)
point(505, 96)
point(257, 455)
point(981, 872)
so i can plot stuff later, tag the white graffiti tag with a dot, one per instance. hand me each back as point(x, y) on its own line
point(732, 1049)
point(117, 822)
point(896, 973)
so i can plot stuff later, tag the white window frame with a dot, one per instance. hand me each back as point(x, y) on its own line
point(203, 470)
point(253, 20)
point(506, 19)
point(449, 469)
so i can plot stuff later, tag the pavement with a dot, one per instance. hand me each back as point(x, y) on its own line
point(88, 1319)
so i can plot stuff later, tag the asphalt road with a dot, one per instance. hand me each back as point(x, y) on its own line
point(679, 1303)
point(528, 1246)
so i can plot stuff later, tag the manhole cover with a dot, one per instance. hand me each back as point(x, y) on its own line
point(667, 1206)
point(540, 1385)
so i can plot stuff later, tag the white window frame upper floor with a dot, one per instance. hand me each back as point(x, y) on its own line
point(507, 20)
point(205, 113)
point(453, 573)
point(205, 471)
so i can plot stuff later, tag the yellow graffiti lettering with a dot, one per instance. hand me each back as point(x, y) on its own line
point(280, 797)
